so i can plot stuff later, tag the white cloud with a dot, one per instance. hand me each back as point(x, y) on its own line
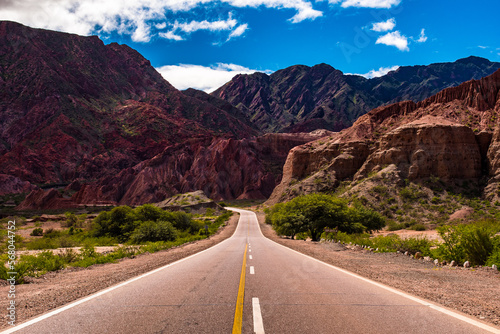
point(367, 3)
point(193, 26)
point(161, 25)
point(304, 8)
point(208, 79)
point(170, 35)
point(380, 72)
point(482, 47)
point(238, 31)
point(385, 25)
point(214, 26)
point(394, 39)
point(141, 19)
point(422, 38)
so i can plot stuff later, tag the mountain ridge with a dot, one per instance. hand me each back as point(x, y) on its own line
point(301, 98)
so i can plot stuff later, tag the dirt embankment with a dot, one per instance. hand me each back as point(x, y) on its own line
point(474, 291)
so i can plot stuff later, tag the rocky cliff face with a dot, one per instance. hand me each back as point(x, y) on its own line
point(427, 147)
point(74, 108)
point(447, 137)
point(301, 98)
point(223, 168)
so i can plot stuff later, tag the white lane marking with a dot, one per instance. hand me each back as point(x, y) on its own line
point(102, 292)
point(252, 270)
point(250, 257)
point(258, 324)
point(249, 250)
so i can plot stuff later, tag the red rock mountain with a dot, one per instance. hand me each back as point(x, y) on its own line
point(102, 121)
point(92, 123)
point(453, 135)
point(72, 107)
point(302, 98)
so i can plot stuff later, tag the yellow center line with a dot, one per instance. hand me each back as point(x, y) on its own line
point(238, 313)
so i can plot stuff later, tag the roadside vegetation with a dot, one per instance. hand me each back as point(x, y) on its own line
point(132, 231)
point(330, 218)
point(312, 214)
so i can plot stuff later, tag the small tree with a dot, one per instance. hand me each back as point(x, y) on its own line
point(71, 219)
point(315, 212)
point(119, 223)
point(154, 231)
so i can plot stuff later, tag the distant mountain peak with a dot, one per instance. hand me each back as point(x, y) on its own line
point(301, 98)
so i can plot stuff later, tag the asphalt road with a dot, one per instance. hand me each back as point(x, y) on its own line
point(281, 291)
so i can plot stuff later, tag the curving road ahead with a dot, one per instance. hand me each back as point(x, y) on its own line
point(249, 284)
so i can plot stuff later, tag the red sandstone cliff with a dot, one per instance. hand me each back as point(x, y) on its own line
point(448, 136)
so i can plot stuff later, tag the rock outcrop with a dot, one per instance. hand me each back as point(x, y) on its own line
point(427, 147)
point(221, 168)
point(447, 136)
point(192, 202)
point(72, 107)
point(45, 200)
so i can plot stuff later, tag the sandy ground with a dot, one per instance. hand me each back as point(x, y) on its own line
point(404, 234)
point(472, 291)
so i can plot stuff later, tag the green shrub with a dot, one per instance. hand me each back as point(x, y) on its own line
point(435, 200)
point(71, 219)
point(394, 226)
point(414, 245)
point(210, 212)
point(22, 269)
point(462, 243)
point(412, 194)
point(181, 220)
point(51, 233)
point(149, 212)
point(118, 223)
point(37, 232)
point(301, 236)
point(380, 189)
point(494, 258)
point(389, 243)
point(417, 227)
point(42, 243)
point(154, 231)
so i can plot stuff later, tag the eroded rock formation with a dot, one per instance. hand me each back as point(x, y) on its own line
point(448, 136)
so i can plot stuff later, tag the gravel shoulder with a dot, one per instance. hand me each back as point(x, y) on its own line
point(473, 291)
point(56, 289)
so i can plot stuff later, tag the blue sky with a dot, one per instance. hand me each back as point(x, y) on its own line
point(203, 43)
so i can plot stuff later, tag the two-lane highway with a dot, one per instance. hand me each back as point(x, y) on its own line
point(250, 284)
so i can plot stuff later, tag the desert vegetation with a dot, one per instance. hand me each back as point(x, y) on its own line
point(331, 218)
point(131, 231)
point(312, 214)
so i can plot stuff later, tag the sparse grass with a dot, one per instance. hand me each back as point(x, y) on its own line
point(390, 243)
